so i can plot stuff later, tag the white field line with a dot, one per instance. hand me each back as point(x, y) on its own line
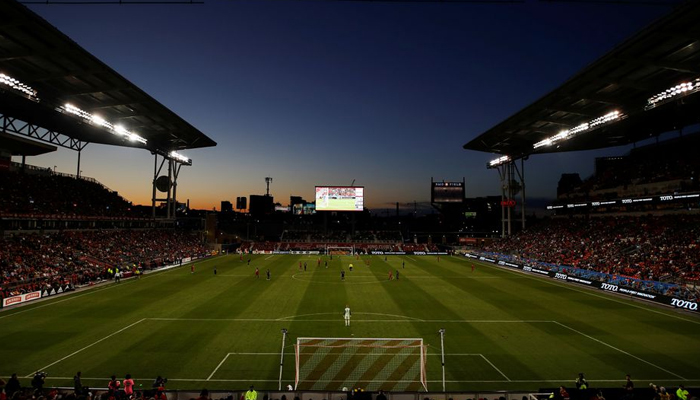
point(269, 257)
point(406, 319)
point(218, 366)
point(494, 367)
point(88, 346)
point(452, 381)
point(620, 350)
point(292, 317)
point(461, 277)
point(588, 292)
point(292, 353)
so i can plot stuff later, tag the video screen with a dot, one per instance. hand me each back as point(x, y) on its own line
point(340, 198)
point(447, 192)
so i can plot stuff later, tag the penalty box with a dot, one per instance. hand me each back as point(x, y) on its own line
point(201, 350)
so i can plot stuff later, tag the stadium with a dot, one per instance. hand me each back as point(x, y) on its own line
point(105, 299)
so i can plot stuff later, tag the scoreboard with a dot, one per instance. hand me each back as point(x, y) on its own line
point(447, 192)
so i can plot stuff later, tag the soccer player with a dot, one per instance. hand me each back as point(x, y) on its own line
point(268, 274)
point(192, 269)
point(347, 315)
point(257, 273)
point(397, 274)
point(391, 275)
point(342, 274)
point(215, 270)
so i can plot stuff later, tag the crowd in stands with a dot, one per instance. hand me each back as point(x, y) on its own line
point(341, 236)
point(662, 168)
point(37, 262)
point(48, 193)
point(251, 247)
point(637, 251)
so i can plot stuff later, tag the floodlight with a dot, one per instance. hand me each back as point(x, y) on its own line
point(17, 85)
point(99, 121)
point(498, 161)
point(684, 88)
point(180, 158)
point(567, 134)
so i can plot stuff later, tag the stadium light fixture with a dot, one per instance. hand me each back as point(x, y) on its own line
point(680, 90)
point(569, 133)
point(180, 158)
point(101, 122)
point(17, 85)
point(498, 161)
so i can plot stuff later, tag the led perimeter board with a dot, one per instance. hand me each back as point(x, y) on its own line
point(446, 192)
point(340, 198)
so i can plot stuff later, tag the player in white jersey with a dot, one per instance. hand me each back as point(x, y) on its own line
point(347, 315)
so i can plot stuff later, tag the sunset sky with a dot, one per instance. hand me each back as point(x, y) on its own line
point(324, 92)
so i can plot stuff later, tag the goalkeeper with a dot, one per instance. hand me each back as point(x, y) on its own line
point(347, 315)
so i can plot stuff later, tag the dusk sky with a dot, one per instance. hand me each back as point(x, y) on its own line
point(324, 93)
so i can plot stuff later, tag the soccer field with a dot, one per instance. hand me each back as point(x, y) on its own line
point(503, 329)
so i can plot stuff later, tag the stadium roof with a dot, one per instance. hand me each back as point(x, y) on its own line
point(661, 56)
point(20, 146)
point(60, 72)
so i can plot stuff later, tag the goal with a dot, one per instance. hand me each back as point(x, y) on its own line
point(339, 250)
point(371, 364)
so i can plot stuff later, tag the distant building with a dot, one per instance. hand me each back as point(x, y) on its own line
point(261, 205)
point(226, 206)
point(241, 203)
point(296, 200)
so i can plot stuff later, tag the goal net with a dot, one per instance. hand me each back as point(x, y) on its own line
point(339, 250)
point(367, 363)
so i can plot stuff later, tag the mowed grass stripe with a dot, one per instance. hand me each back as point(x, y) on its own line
point(238, 314)
point(406, 291)
point(654, 337)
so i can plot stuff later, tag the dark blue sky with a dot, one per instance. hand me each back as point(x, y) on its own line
point(321, 93)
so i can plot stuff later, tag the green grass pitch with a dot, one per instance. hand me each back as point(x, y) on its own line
point(504, 330)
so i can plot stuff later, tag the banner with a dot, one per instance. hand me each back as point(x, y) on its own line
point(604, 286)
point(57, 290)
point(22, 298)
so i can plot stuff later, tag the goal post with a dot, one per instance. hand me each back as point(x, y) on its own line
point(340, 250)
point(371, 364)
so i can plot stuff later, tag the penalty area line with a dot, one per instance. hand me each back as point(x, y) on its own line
point(494, 367)
point(218, 366)
point(87, 347)
point(615, 348)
